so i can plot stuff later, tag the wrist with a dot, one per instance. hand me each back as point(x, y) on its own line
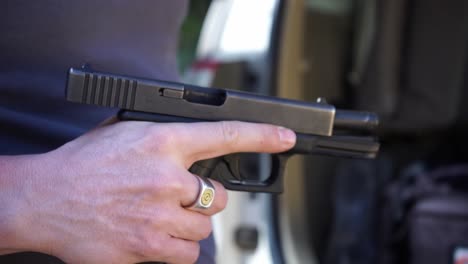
point(13, 174)
point(20, 227)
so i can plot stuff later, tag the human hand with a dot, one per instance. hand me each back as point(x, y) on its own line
point(118, 193)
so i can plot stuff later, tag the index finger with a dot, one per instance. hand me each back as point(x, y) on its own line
point(206, 140)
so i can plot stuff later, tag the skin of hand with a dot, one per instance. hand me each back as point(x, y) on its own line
point(118, 193)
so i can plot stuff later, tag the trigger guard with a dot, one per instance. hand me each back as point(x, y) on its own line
point(274, 184)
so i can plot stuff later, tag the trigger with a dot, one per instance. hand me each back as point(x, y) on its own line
point(232, 162)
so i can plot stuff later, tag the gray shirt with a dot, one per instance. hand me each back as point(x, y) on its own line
point(41, 39)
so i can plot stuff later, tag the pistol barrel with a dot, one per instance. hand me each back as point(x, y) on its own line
point(355, 120)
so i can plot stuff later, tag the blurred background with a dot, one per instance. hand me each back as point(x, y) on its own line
point(403, 59)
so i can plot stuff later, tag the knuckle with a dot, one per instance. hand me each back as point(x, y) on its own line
point(147, 244)
point(269, 134)
point(205, 228)
point(159, 138)
point(268, 138)
point(173, 185)
point(168, 183)
point(273, 133)
point(193, 252)
point(153, 247)
point(230, 132)
point(221, 198)
point(166, 219)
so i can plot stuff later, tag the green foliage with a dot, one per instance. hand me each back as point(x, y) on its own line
point(190, 32)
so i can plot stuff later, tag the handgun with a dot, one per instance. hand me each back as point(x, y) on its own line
point(320, 128)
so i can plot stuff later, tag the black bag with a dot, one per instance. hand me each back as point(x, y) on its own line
point(430, 210)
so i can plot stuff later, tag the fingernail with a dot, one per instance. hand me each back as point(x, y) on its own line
point(286, 135)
